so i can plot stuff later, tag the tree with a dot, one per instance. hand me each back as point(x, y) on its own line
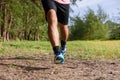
point(115, 34)
point(102, 16)
point(21, 19)
point(114, 27)
point(114, 30)
point(96, 29)
point(91, 26)
point(77, 30)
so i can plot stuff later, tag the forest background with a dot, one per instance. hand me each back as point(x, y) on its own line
point(24, 20)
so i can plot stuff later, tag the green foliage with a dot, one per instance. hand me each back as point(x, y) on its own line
point(90, 27)
point(95, 28)
point(114, 30)
point(0, 17)
point(115, 34)
point(78, 30)
point(25, 20)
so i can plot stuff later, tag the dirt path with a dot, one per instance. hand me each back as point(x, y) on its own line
point(45, 69)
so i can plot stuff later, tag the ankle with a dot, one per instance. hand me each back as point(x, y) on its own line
point(63, 44)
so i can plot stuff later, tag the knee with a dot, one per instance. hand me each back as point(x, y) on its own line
point(51, 17)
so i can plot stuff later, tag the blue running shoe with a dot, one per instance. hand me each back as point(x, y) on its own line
point(59, 59)
point(63, 51)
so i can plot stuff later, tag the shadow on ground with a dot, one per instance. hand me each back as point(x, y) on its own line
point(22, 68)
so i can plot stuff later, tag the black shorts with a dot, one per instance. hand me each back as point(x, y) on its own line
point(62, 10)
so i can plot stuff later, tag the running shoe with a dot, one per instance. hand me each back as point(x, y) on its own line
point(59, 59)
point(63, 51)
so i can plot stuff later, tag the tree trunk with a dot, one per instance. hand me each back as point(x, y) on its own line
point(25, 35)
point(1, 26)
point(28, 36)
point(1, 18)
point(36, 37)
point(7, 36)
point(9, 26)
point(4, 27)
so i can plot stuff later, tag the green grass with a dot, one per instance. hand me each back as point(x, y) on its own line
point(23, 48)
point(75, 49)
point(94, 49)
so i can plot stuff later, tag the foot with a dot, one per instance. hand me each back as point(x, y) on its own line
point(63, 51)
point(59, 59)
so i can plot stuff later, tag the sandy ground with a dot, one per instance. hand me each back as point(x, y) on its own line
point(43, 68)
